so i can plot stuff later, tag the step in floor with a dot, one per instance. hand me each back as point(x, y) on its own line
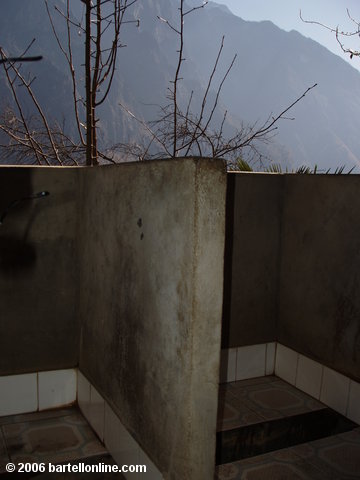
point(268, 429)
point(54, 436)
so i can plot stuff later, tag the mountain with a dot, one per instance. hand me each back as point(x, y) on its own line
point(273, 68)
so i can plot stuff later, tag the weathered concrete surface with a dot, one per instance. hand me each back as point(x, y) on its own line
point(252, 258)
point(151, 300)
point(38, 270)
point(292, 265)
point(319, 310)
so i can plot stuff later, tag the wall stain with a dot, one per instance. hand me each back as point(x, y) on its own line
point(140, 224)
point(347, 329)
point(16, 254)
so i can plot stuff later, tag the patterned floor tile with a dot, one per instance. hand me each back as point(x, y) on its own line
point(36, 416)
point(268, 398)
point(54, 439)
point(282, 465)
point(337, 456)
point(253, 381)
point(232, 413)
point(331, 458)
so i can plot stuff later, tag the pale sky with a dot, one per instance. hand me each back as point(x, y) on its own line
point(285, 14)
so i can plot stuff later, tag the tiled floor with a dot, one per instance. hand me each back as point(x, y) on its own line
point(253, 401)
point(63, 435)
point(265, 398)
point(331, 458)
point(56, 436)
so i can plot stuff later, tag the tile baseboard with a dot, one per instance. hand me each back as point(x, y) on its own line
point(247, 362)
point(330, 387)
point(121, 445)
point(31, 392)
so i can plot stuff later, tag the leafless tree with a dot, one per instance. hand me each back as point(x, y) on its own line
point(36, 136)
point(179, 132)
point(27, 136)
point(341, 34)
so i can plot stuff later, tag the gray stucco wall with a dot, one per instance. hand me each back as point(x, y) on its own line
point(38, 270)
point(319, 309)
point(150, 303)
point(292, 265)
point(252, 258)
point(146, 243)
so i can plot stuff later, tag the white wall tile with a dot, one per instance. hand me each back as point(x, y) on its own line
point(122, 447)
point(57, 388)
point(97, 412)
point(309, 375)
point(152, 472)
point(270, 358)
point(18, 394)
point(228, 365)
point(125, 450)
point(286, 363)
point(250, 361)
point(83, 394)
point(335, 390)
point(354, 402)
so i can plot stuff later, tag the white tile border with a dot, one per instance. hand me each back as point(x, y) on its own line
point(325, 384)
point(30, 392)
point(270, 358)
point(286, 363)
point(335, 389)
point(97, 412)
point(83, 394)
point(309, 376)
point(228, 365)
point(56, 388)
point(251, 362)
point(247, 362)
point(121, 445)
point(18, 394)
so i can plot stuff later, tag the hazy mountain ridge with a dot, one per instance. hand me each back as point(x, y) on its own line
point(273, 68)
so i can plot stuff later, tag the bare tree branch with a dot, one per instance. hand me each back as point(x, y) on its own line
point(69, 58)
point(183, 133)
point(100, 65)
point(340, 33)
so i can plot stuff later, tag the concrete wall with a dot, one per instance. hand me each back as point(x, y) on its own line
point(38, 270)
point(252, 258)
point(319, 310)
point(150, 303)
point(292, 265)
point(146, 242)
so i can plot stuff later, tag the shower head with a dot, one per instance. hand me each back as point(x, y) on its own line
point(13, 204)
